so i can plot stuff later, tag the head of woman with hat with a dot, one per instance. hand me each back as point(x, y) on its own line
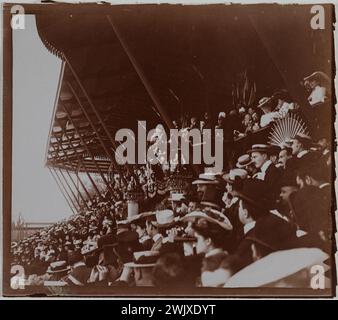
point(142, 264)
point(211, 235)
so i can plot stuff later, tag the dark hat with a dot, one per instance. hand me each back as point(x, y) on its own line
point(281, 94)
point(318, 76)
point(274, 234)
point(304, 139)
point(74, 256)
point(212, 197)
point(255, 192)
point(108, 239)
point(264, 148)
point(288, 179)
point(274, 150)
point(127, 237)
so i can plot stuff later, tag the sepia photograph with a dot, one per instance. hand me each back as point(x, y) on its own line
point(168, 150)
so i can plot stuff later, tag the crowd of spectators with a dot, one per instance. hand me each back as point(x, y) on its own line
point(271, 206)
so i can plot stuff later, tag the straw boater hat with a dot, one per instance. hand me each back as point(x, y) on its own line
point(243, 161)
point(58, 266)
point(264, 148)
point(207, 178)
point(276, 266)
point(263, 102)
point(143, 259)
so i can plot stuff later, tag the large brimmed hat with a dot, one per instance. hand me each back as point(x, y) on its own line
point(143, 259)
point(276, 266)
point(58, 266)
point(243, 161)
point(141, 216)
point(207, 178)
point(89, 248)
point(235, 175)
point(264, 102)
point(264, 148)
point(164, 219)
point(210, 215)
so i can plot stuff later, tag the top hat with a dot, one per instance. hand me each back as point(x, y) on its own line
point(212, 197)
point(143, 259)
point(243, 161)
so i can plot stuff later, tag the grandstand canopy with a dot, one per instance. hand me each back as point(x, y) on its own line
point(188, 57)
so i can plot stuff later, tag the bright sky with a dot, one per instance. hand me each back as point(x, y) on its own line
point(35, 78)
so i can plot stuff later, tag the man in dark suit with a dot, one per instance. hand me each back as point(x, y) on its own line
point(264, 232)
point(267, 171)
point(312, 203)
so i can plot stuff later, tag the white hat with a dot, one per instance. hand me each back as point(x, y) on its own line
point(176, 196)
point(276, 266)
point(221, 115)
point(211, 215)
